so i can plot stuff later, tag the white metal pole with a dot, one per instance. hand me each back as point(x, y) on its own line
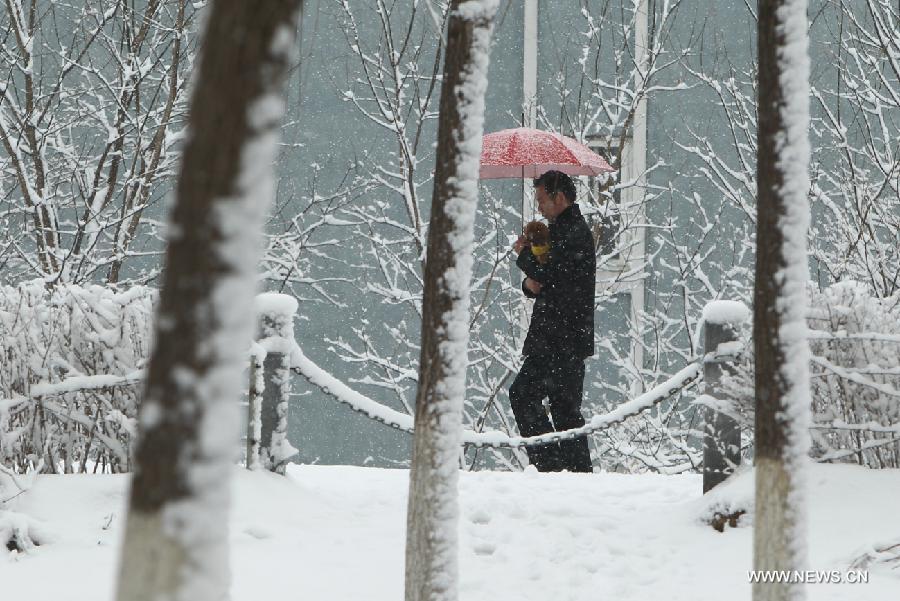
point(529, 79)
point(529, 90)
point(639, 165)
point(529, 118)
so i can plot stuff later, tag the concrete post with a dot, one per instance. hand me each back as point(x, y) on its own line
point(722, 433)
point(274, 409)
point(275, 313)
point(254, 413)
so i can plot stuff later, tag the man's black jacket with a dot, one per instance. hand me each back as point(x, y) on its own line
point(563, 319)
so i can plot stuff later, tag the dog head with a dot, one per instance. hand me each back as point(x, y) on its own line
point(537, 233)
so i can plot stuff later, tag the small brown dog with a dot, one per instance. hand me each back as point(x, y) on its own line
point(538, 234)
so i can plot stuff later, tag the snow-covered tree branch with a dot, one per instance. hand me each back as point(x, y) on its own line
point(91, 112)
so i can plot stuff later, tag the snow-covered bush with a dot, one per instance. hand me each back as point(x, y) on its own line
point(855, 375)
point(71, 359)
point(855, 343)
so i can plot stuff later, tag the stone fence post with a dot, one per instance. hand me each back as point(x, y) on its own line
point(270, 383)
point(722, 433)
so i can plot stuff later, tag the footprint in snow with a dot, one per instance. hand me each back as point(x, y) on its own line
point(257, 532)
point(480, 516)
point(484, 548)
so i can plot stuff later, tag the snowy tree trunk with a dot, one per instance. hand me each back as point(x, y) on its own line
point(431, 540)
point(176, 534)
point(780, 300)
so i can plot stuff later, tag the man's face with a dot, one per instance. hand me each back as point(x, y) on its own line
point(549, 206)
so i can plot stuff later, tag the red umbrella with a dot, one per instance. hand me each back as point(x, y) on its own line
point(527, 153)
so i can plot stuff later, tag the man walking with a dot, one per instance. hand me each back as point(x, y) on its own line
point(561, 333)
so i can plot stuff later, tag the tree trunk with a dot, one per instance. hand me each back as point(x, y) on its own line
point(431, 543)
point(779, 326)
point(176, 536)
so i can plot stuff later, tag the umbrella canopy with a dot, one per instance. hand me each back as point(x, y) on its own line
point(528, 153)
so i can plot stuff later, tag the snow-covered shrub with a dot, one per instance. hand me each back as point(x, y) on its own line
point(855, 343)
point(70, 359)
point(856, 375)
point(21, 533)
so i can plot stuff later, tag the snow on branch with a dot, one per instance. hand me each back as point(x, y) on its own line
point(83, 383)
point(89, 150)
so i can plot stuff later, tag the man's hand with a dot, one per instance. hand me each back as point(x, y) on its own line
point(520, 244)
point(533, 285)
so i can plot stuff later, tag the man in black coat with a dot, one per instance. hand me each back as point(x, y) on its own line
point(561, 334)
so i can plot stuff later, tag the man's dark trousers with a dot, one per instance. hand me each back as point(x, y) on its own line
point(561, 378)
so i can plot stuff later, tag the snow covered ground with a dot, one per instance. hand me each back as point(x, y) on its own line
point(337, 534)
